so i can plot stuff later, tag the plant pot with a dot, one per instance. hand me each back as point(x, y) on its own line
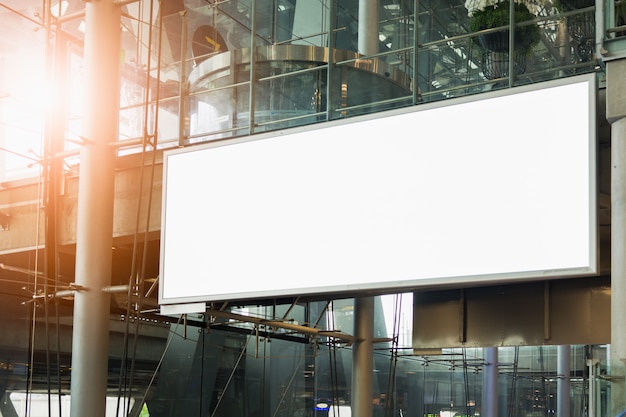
point(582, 28)
point(499, 41)
point(569, 5)
point(496, 64)
point(495, 42)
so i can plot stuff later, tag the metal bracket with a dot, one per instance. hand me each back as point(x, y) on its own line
point(610, 378)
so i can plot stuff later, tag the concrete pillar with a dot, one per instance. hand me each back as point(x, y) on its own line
point(363, 357)
point(563, 381)
point(368, 27)
point(489, 398)
point(94, 227)
point(616, 115)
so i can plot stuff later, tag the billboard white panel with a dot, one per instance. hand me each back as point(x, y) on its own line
point(496, 188)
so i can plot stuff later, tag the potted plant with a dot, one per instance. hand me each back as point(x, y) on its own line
point(580, 26)
point(497, 15)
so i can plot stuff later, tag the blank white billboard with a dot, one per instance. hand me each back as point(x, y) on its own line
point(496, 188)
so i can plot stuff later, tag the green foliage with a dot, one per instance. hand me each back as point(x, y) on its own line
point(498, 14)
point(144, 411)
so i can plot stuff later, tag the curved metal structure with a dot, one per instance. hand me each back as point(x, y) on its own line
point(292, 86)
point(211, 68)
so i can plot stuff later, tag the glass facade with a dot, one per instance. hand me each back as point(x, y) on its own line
point(200, 70)
point(284, 62)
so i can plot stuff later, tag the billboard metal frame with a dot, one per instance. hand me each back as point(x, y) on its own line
point(199, 230)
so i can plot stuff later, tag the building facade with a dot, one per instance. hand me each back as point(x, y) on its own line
point(80, 209)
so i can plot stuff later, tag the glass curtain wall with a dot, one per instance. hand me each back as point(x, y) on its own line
point(200, 70)
point(254, 66)
point(196, 70)
point(247, 370)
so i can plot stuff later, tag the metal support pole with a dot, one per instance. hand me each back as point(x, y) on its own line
point(183, 86)
point(416, 52)
point(94, 224)
point(363, 357)
point(511, 44)
point(592, 364)
point(563, 382)
point(490, 383)
point(253, 55)
point(600, 28)
point(368, 27)
point(330, 88)
point(616, 115)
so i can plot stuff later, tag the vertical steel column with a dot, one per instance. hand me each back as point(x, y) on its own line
point(600, 15)
point(253, 55)
point(368, 27)
point(416, 59)
point(489, 398)
point(363, 349)
point(330, 65)
point(363, 357)
point(94, 227)
point(563, 384)
point(183, 86)
point(616, 115)
point(511, 43)
point(592, 365)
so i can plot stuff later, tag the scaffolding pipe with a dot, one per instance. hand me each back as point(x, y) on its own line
point(368, 27)
point(311, 331)
point(94, 224)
